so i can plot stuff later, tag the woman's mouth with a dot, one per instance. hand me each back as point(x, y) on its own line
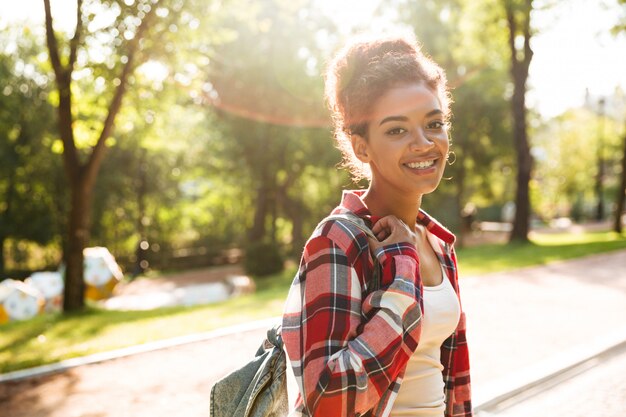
point(421, 164)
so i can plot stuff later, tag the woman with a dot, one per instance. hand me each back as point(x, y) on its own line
point(398, 350)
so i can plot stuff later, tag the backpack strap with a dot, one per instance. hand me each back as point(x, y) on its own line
point(373, 282)
point(274, 337)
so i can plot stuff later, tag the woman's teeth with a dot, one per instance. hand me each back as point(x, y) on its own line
point(421, 165)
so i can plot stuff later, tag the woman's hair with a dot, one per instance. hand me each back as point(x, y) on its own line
point(362, 72)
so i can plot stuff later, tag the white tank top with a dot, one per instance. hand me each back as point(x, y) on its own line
point(421, 391)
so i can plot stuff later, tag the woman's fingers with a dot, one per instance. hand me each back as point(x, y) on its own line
point(390, 229)
point(377, 228)
point(387, 223)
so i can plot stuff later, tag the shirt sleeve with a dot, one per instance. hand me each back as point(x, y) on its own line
point(344, 364)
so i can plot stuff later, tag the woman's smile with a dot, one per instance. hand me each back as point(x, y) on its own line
point(423, 166)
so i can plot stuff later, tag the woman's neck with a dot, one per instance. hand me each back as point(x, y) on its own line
point(383, 204)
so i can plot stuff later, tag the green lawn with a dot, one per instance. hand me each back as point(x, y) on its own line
point(544, 248)
point(51, 338)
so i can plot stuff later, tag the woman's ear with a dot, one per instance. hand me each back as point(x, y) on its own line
point(360, 148)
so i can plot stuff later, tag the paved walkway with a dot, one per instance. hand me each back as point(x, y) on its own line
point(599, 389)
point(519, 323)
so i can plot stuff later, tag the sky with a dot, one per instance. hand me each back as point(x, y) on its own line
point(574, 51)
point(573, 48)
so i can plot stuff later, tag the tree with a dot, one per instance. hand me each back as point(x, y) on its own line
point(562, 189)
point(28, 177)
point(82, 175)
point(518, 13)
point(266, 89)
point(620, 194)
point(621, 190)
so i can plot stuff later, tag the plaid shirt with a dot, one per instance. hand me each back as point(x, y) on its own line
point(349, 347)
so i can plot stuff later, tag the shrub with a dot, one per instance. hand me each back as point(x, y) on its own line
point(263, 258)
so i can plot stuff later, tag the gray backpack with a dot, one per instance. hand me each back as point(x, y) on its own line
point(259, 388)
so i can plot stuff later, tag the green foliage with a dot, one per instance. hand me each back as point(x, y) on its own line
point(31, 176)
point(263, 258)
point(562, 188)
point(267, 93)
point(224, 134)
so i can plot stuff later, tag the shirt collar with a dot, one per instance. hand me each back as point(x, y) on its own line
point(351, 201)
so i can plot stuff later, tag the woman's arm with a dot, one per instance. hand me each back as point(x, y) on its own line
point(340, 370)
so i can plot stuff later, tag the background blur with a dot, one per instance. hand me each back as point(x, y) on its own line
point(191, 139)
point(223, 137)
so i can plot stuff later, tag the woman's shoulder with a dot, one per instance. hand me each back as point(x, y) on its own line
point(344, 230)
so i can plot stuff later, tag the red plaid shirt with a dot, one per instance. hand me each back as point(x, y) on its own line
point(348, 347)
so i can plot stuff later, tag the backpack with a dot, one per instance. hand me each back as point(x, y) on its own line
point(259, 388)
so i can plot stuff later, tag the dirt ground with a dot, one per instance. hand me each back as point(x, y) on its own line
point(165, 383)
point(135, 385)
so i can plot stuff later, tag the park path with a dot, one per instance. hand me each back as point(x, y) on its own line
point(517, 321)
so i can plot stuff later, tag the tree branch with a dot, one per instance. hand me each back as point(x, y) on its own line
point(51, 40)
point(76, 39)
point(64, 109)
point(98, 152)
point(510, 17)
point(528, 52)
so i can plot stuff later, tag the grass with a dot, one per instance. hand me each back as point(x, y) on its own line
point(50, 338)
point(543, 248)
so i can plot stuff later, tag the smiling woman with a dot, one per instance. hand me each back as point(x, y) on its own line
point(373, 324)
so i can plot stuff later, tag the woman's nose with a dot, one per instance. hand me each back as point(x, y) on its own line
point(420, 142)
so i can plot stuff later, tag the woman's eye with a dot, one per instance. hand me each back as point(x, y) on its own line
point(436, 125)
point(396, 131)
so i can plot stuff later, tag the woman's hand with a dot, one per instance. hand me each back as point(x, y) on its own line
point(389, 230)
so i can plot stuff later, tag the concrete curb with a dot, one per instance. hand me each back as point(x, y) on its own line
point(133, 350)
point(505, 389)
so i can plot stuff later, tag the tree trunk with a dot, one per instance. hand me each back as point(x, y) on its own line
point(520, 63)
point(2, 265)
point(141, 253)
point(524, 163)
point(78, 231)
point(257, 233)
point(621, 194)
point(295, 212)
point(297, 235)
point(460, 183)
point(5, 217)
point(600, 174)
point(274, 214)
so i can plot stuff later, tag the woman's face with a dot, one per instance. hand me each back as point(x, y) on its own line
point(408, 141)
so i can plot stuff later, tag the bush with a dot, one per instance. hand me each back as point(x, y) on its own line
point(263, 258)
